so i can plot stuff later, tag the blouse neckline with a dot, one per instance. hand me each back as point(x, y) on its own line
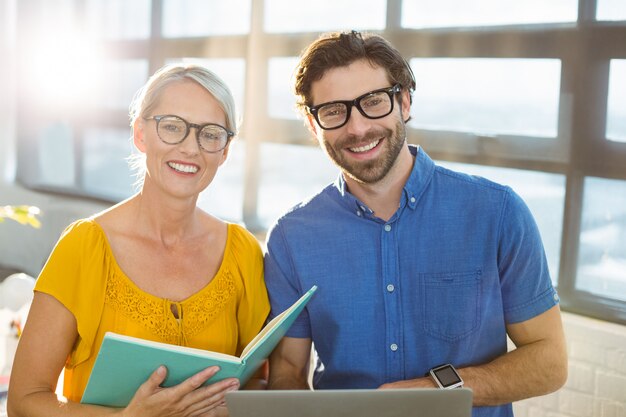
point(192, 297)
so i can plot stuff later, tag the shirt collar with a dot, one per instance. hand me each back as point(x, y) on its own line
point(348, 200)
point(420, 177)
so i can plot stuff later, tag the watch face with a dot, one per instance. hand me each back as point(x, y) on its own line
point(447, 376)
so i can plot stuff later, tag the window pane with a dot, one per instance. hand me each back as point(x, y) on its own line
point(290, 173)
point(611, 10)
point(487, 96)
point(224, 196)
point(616, 116)
point(119, 19)
point(56, 155)
point(602, 255)
point(324, 15)
point(121, 80)
point(446, 13)
point(105, 168)
point(281, 100)
point(543, 193)
point(192, 18)
point(231, 70)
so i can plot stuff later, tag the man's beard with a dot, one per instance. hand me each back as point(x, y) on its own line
point(369, 172)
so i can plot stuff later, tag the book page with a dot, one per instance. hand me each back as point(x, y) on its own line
point(275, 322)
point(175, 348)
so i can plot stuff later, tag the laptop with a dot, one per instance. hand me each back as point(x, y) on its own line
point(427, 402)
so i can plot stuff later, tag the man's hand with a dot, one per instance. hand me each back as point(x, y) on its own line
point(425, 382)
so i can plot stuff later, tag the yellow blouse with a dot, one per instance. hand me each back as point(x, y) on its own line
point(83, 275)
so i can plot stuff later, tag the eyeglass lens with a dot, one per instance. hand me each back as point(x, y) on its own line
point(173, 130)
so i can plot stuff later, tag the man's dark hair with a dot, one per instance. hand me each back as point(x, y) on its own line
point(339, 49)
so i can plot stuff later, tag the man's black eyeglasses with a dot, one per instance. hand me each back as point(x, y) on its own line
point(174, 129)
point(373, 105)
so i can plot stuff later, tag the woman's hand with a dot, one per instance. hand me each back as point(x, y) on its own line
point(187, 399)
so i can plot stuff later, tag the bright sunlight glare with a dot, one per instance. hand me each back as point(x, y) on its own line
point(64, 70)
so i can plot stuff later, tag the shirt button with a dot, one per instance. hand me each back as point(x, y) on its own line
point(393, 347)
point(390, 288)
point(412, 199)
point(387, 228)
point(358, 213)
point(556, 297)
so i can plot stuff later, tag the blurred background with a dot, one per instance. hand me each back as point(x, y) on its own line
point(528, 93)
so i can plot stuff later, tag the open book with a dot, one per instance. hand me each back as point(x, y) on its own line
point(125, 362)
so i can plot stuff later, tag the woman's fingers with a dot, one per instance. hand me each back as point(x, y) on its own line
point(196, 399)
point(189, 398)
point(210, 397)
point(153, 383)
point(194, 382)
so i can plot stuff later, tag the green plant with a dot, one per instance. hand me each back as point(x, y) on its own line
point(21, 214)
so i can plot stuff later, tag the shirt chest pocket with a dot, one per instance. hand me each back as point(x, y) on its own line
point(451, 303)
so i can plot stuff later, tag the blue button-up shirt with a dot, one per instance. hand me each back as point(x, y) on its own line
point(436, 283)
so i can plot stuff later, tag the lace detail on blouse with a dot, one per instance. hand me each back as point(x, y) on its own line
point(155, 313)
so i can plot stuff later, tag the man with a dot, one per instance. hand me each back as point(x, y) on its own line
point(417, 266)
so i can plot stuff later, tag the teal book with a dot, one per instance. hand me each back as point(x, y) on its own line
point(124, 362)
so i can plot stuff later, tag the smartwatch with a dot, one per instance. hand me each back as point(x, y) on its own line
point(446, 377)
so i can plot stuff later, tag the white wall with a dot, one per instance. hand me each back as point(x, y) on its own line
point(597, 373)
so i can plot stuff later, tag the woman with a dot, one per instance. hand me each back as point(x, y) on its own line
point(154, 266)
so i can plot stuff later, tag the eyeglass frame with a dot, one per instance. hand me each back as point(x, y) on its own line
point(391, 92)
point(188, 126)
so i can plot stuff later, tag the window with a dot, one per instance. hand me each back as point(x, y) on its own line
point(307, 168)
point(231, 70)
point(124, 78)
point(118, 19)
point(281, 102)
point(323, 15)
point(602, 256)
point(56, 153)
point(611, 10)
point(616, 118)
point(525, 93)
point(224, 197)
point(450, 13)
point(487, 96)
point(194, 18)
point(105, 171)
